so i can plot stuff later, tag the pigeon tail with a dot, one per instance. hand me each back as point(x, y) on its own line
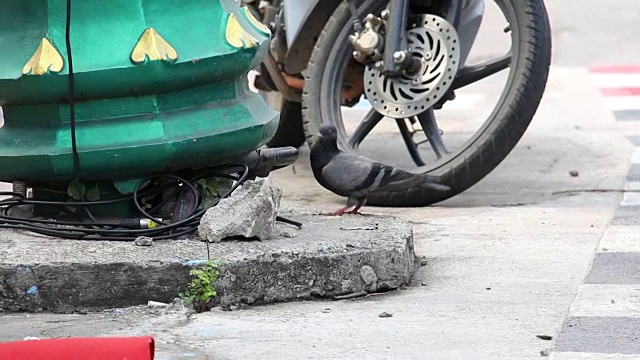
point(435, 187)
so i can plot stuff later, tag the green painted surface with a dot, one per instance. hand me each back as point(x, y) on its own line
point(23, 24)
point(131, 119)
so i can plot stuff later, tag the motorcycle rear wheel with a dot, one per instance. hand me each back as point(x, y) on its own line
point(489, 146)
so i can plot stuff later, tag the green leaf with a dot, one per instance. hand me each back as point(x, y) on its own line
point(203, 184)
point(213, 189)
point(76, 189)
point(200, 289)
point(94, 193)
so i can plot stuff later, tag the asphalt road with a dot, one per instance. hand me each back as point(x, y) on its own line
point(508, 260)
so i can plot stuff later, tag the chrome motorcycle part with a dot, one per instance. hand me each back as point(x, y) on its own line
point(434, 43)
point(368, 44)
point(394, 33)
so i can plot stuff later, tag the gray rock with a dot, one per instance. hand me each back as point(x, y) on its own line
point(288, 233)
point(249, 212)
point(143, 241)
point(369, 277)
point(348, 286)
point(544, 352)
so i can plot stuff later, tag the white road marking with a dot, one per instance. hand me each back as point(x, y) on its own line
point(603, 300)
point(615, 103)
point(631, 198)
point(616, 80)
point(620, 238)
point(635, 157)
point(592, 356)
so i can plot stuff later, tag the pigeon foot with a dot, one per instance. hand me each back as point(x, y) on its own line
point(341, 212)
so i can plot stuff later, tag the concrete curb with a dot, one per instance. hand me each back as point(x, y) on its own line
point(328, 257)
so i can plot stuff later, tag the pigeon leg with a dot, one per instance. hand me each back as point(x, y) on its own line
point(360, 204)
point(351, 202)
point(341, 211)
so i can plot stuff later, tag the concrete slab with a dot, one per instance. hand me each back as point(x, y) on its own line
point(328, 257)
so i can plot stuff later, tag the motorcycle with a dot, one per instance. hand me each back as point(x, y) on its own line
point(405, 60)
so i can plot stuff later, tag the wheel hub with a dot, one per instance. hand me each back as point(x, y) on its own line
point(435, 43)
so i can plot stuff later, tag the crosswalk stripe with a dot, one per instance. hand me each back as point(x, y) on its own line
point(617, 103)
point(620, 91)
point(604, 300)
point(619, 238)
point(591, 356)
point(616, 80)
point(635, 157)
point(606, 308)
point(631, 198)
point(615, 69)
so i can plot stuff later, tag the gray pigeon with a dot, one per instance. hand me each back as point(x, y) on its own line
point(357, 177)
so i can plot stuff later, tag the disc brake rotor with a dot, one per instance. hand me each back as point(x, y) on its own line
point(435, 43)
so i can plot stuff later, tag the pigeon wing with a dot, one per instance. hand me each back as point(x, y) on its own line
point(384, 178)
point(400, 179)
point(347, 173)
point(357, 176)
point(392, 179)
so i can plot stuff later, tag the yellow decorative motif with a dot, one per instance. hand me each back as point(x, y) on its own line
point(237, 36)
point(262, 27)
point(46, 59)
point(152, 46)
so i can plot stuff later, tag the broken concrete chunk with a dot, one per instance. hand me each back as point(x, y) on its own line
point(288, 233)
point(249, 212)
point(369, 276)
point(143, 241)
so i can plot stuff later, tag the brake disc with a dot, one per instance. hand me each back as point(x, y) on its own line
point(435, 43)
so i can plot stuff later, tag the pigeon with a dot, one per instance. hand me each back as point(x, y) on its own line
point(357, 177)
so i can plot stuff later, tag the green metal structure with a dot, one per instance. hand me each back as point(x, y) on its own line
point(157, 86)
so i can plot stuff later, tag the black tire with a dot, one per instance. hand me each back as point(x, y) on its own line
point(527, 80)
point(290, 131)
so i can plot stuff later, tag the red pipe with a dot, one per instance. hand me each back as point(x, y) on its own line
point(111, 348)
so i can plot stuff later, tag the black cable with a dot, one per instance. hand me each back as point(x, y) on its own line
point(72, 105)
point(117, 231)
point(289, 221)
point(78, 203)
point(109, 231)
point(151, 217)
